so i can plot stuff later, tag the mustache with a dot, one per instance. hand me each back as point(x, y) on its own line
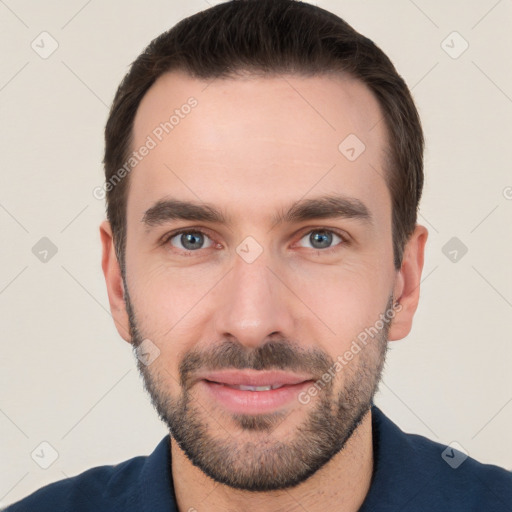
point(273, 355)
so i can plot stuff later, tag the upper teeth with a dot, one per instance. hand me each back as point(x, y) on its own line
point(256, 388)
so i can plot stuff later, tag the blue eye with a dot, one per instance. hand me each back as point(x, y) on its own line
point(192, 240)
point(189, 240)
point(322, 239)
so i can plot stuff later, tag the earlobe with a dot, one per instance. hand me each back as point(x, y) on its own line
point(407, 284)
point(114, 281)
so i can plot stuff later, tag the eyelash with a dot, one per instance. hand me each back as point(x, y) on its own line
point(329, 250)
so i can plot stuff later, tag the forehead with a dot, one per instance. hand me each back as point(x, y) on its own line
point(253, 143)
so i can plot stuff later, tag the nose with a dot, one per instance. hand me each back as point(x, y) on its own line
point(254, 303)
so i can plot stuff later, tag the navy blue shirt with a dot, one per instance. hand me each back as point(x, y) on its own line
point(411, 474)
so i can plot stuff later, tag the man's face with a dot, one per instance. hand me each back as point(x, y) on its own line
point(260, 290)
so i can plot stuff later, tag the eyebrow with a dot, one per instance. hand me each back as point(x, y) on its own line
point(330, 206)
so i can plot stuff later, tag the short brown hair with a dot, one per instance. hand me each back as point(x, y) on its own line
point(272, 37)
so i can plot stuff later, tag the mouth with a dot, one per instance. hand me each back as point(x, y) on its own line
point(254, 392)
point(255, 378)
point(243, 387)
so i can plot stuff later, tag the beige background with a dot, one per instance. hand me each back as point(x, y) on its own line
point(67, 378)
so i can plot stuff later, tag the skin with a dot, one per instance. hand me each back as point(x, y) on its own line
point(252, 147)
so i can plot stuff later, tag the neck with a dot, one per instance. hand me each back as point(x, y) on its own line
point(341, 485)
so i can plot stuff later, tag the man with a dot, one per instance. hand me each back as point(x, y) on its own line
point(264, 165)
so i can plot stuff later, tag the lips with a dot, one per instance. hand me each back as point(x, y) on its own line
point(240, 400)
point(251, 380)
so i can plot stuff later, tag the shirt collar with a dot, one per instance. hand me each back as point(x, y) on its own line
point(156, 489)
point(400, 473)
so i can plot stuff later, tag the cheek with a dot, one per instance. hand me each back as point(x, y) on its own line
point(345, 301)
point(170, 302)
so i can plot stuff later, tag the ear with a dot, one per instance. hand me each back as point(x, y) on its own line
point(407, 284)
point(114, 281)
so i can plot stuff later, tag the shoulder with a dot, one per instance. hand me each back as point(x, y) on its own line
point(99, 489)
point(459, 478)
point(415, 473)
